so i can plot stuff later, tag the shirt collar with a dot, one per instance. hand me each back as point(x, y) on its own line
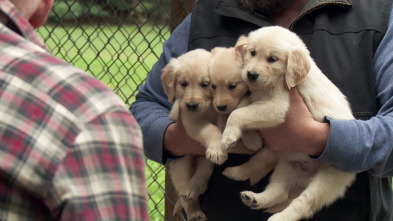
point(23, 26)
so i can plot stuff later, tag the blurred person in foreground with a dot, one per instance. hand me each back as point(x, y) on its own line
point(69, 147)
point(352, 43)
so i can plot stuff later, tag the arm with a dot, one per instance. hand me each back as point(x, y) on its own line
point(101, 177)
point(151, 108)
point(302, 133)
point(369, 143)
point(178, 143)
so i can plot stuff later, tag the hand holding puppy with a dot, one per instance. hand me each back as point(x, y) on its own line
point(178, 143)
point(300, 132)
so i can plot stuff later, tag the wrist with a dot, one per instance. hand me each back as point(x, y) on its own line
point(318, 137)
point(178, 143)
point(170, 140)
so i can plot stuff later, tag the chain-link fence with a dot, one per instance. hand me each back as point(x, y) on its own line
point(118, 41)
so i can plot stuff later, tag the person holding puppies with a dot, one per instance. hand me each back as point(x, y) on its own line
point(350, 42)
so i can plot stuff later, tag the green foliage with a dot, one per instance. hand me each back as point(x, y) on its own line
point(125, 5)
point(65, 10)
point(119, 56)
point(126, 11)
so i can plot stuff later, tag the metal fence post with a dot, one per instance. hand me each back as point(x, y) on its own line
point(179, 10)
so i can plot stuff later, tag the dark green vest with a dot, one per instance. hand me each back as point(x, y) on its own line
point(342, 37)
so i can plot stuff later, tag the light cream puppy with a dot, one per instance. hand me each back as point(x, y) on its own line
point(186, 78)
point(230, 91)
point(272, 55)
point(227, 86)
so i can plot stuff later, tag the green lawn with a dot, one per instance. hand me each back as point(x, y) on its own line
point(121, 57)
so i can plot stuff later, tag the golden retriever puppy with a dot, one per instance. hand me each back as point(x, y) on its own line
point(186, 78)
point(299, 186)
point(227, 86)
point(230, 92)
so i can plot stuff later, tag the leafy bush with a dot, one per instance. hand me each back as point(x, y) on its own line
point(128, 11)
point(65, 10)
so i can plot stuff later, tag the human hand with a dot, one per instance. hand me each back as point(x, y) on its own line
point(300, 132)
point(178, 143)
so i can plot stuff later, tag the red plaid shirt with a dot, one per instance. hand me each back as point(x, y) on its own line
point(69, 148)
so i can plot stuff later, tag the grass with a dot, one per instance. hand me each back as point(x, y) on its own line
point(121, 57)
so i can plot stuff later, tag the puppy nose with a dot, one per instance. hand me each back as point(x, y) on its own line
point(221, 107)
point(252, 75)
point(192, 106)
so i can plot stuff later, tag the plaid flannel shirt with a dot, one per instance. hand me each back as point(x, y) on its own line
point(69, 148)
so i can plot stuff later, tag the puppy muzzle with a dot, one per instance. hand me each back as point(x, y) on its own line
point(192, 106)
point(252, 76)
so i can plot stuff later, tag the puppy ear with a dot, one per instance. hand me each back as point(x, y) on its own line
point(240, 47)
point(242, 40)
point(168, 78)
point(298, 66)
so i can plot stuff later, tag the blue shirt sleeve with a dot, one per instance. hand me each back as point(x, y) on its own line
point(358, 145)
point(151, 107)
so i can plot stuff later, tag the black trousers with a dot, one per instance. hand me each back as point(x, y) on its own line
point(222, 199)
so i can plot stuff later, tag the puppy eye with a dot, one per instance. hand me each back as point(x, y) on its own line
point(253, 53)
point(184, 84)
point(213, 86)
point(232, 86)
point(272, 59)
point(204, 84)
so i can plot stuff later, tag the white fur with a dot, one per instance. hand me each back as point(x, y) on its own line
point(230, 92)
point(299, 186)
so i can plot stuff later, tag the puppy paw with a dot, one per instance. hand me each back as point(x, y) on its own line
point(235, 173)
point(194, 190)
point(216, 156)
point(252, 140)
point(197, 216)
point(190, 196)
point(249, 199)
point(229, 137)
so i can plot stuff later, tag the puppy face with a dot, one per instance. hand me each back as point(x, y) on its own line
point(227, 85)
point(274, 53)
point(186, 78)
